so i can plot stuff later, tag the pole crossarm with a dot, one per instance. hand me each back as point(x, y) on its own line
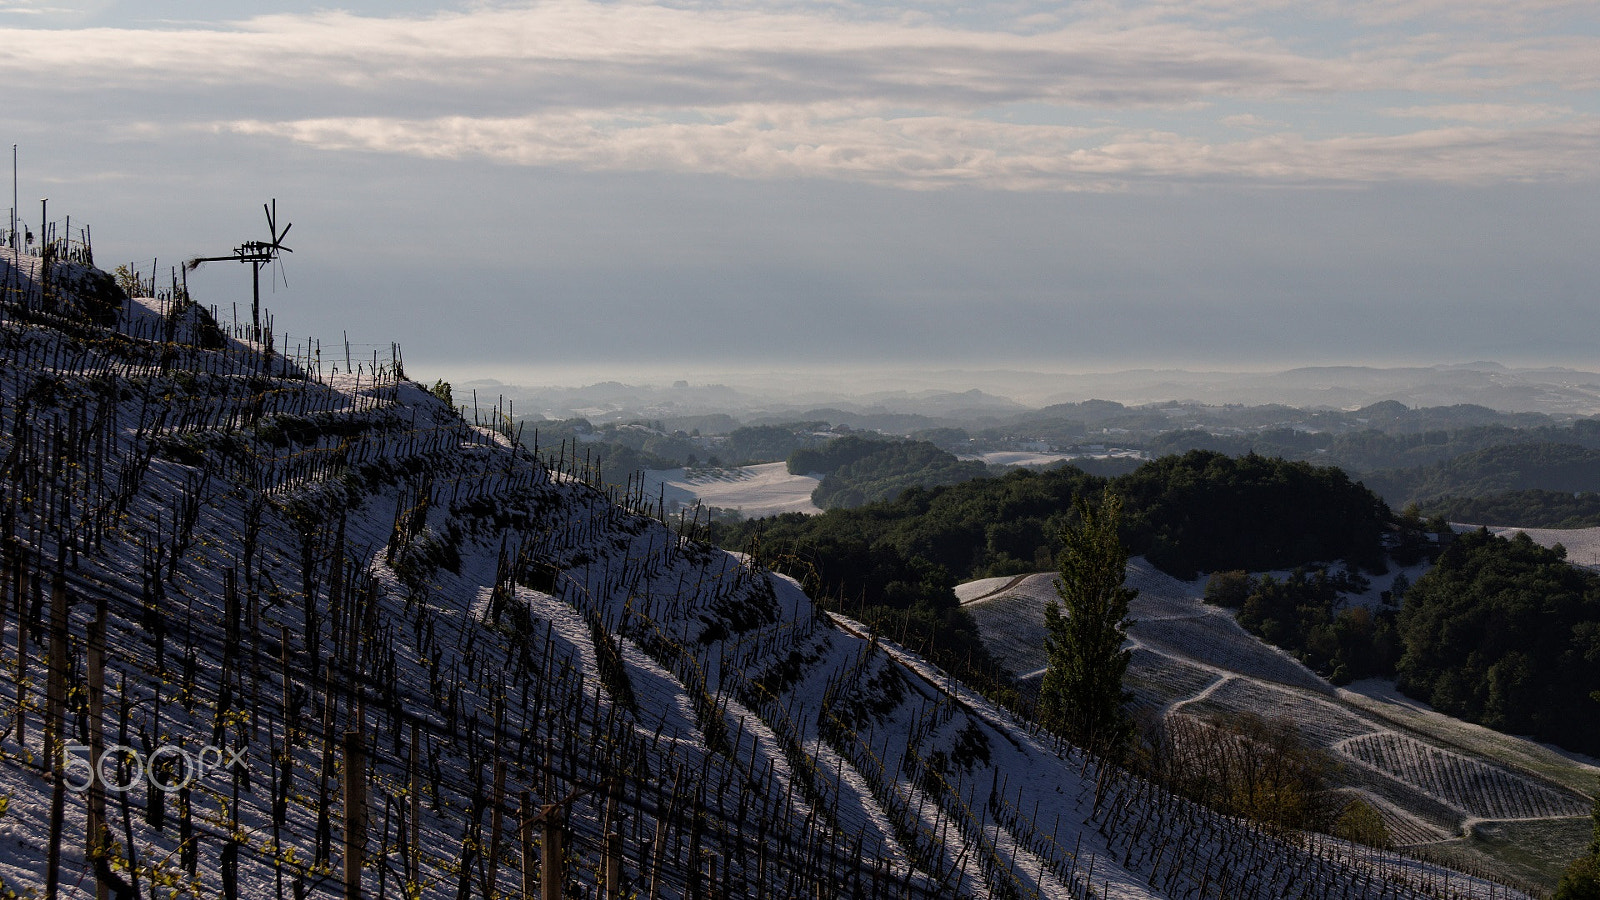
point(252, 252)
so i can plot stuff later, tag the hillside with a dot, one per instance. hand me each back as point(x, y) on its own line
point(410, 656)
point(1431, 777)
point(760, 490)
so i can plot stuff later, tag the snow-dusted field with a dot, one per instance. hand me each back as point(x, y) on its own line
point(1169, 619)
point(755, 491)
point(1379, 698)
point(983, 587)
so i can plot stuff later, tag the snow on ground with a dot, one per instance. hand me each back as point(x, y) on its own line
point(755, 491)
point(976, 590)
point(1012, 622)
point(1169, 618)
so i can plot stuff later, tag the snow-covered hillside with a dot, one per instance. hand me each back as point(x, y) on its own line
point(754, 491)
point(411, 658)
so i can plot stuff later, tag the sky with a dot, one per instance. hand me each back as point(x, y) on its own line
point(569, 191)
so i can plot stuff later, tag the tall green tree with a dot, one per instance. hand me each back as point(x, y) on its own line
point(1082, 697)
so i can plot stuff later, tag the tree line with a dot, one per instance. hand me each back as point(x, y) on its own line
point(1305, 612)
point(1535, 508)
point(1506, 633)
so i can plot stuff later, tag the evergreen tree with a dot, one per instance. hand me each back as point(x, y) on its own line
point(1082, 697)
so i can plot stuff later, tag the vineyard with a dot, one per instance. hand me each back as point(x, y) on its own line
point(1404, 828)
point(276, 621)
point(1175, 631)
point(1218, 642)
point(1322, 721)
point(1476, 788)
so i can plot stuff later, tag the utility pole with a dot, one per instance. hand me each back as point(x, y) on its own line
point(14, 244)
point(257, 254)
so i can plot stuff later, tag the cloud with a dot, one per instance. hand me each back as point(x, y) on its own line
point(1496, 113)
point(916, 98)
point(33, 13)
point(1480, 13)
point(1500, 14)
point(632, 53)
point(570, 53)
point(1251, 122)
point(931, 151)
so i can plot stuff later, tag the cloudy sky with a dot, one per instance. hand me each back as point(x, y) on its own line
point(571, 189)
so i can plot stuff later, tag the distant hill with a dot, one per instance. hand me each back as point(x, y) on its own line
point(861, 469)
point(1566, 468)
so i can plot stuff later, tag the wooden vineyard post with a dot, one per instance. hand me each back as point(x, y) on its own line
point(613, 842)
point(414, 859)
point(355, 812)
point(288, 709)
point(613, 850)
point(11, 561)
point(56, 676)
point(324, 819)
point(53, 722)
point(497, 797)
point(659, 853)
point(10, 574)
point(99, 838)
point(530, 885)
point(22, 653)
point(552, 866)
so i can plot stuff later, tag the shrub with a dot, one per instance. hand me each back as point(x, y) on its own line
point(1361, 824)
